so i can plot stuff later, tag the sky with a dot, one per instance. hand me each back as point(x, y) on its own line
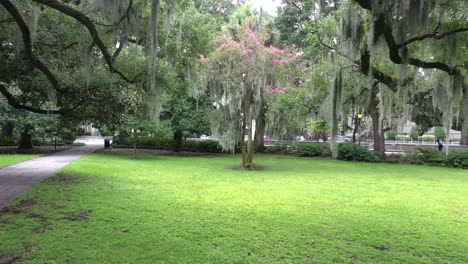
point(268, 5)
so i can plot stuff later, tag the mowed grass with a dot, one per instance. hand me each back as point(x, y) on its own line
point(9, 159)
point(112, 209)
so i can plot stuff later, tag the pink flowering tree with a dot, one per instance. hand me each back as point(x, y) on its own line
point(241, 74)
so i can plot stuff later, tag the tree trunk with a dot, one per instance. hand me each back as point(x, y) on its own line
point(260, 131)
point(26, 140)
point(7, 130)
point(377, 124)
point(464, 131)
point(250, 148)
point(242, 143)
point(178, 140)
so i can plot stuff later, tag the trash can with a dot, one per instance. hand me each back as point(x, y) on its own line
point(106, 143)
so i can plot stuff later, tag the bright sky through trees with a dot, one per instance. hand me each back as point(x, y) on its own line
point(268, 6)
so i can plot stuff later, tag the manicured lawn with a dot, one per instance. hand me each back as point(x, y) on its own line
point(8, 159)
point(112, 209)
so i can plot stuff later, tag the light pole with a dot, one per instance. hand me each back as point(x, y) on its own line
point(359, 118)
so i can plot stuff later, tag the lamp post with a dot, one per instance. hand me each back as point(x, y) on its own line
point(359, 118)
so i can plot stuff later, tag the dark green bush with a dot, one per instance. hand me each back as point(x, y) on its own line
point(207, 146)
point(391, 135)
point(277, 149)
point(6, 141)
point(354, 152)
point(67, 137)
point(313, 150)
point(426, 156)
point(458, 159)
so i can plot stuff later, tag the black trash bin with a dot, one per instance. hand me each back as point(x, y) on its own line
point(106, 143)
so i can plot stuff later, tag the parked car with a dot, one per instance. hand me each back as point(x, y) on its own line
point(300, 138)
point(343, 139)
point(205, 137)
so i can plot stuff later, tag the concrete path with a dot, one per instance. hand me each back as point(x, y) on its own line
point(17, 178)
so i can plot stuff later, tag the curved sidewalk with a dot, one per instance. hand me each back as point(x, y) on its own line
point(17, 178)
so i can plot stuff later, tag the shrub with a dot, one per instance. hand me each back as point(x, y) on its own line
point(313, 150)
point(6, 141)
point(153, 142)
point(208, 146)
point(354, 152)
point(439, 133)
point(67, 137)
point(427, 138)
point(391, 135)
point(426, 156)
point(277, 149)
point(403, 138)
point(458, 159)
point(414, 134)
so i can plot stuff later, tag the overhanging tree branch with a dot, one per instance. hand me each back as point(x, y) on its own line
point(434, 35)
point(26, 36)
point(86, 22)
point(14, 103)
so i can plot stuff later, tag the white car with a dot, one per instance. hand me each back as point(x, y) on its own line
point(205, 137)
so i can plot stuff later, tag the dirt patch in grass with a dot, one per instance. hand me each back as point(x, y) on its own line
point(381, 248)
point(240, 168)
point(63, 179)
point(22, 208)
point(9, 259)
point(78, 216)
point(13, 258)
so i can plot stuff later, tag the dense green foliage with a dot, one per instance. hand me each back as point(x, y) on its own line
point(458, 159)
point(206, 146)
point(354, 152)
point(313, 150)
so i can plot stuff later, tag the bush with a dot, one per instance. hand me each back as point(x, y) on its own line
point(153, 142)
point(391, 135)
point(67, 137)
point(457, 159)
point(277, 149)
point(313, 150)
point(414, 134)
point(426, 156)
point(6, 141)
point(439, 133)
point(354, 152)
point(403, 138)
point(427, 138)
point(207, 146)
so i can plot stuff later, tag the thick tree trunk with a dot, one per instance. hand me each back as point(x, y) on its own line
point(377, 123)
point(26, 140)
point(260, 131)
point(178, 140)
point(464, 132)
point(7, 130)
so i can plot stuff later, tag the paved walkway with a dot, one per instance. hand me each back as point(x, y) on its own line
point(16, 179)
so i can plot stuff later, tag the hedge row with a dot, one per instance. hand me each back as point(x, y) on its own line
point(424, 156)
point(207, 146)
point(347, 151)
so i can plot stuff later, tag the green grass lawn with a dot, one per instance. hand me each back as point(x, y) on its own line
point(112, 209)
point(8, 159)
